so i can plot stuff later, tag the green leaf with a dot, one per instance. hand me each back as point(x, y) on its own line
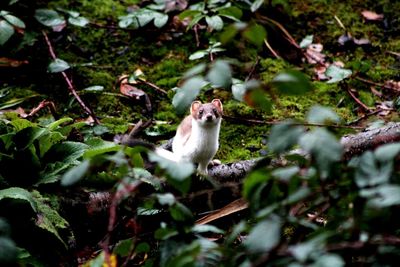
point(259, 99)
point(256, 5)
point(220, 74)
point(238, 89)
point(78, 21)
point(179, 172)
point(321, 115)
point(58, 65)
point(195, 20)
point(206, 228)
point(20, 194)
point(325, 148)
point(180, 212)
point(67, 152)
point(387, 152)
point(160, 20)
point(94, 88)
point(264, 236)
point(382, 196)
point(50, 220)
point(283, 136)
point(286, 173)
point(125, 21)
point(188, 13)
point(328, 260)
point(228, 34)
point(306, 41)
point(302, 251)
point(369, 173)
point(27, 136)
point(215, 22)
point(13, 20)
point(166, 199)
point(75, 174)
point(54, 125)
point(6, 31)
point(232, 12)
point(124, 247)
point(337, 74)
point(196, 70)
point(292, 82)
point(255, 34)
point(98, 146)
point(253, 182)
point(198, 54)
point(185, 95)
point(49, 17)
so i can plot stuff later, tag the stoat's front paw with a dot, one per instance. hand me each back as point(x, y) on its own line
point(215, 162)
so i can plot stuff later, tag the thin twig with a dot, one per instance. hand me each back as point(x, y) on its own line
point(377, 84)
point(42, 105)
point(358, 100)
point(154, 86)
point(271, 49)
point(339, 22)
point(253, 121)
point(285, 32)
point(69, 82)
point(253, 68)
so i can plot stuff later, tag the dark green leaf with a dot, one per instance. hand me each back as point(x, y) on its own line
point(124, 247)
point(166, 199)
point(255, 34)
point(75, 174)
point(321, 115)
point(204, 228)
point(303, 250)
point(187, 93)
point(6, 31)
point(259, 99)
point(18, 193)
point(231, 12)
point(286, 173)
point(368, 173)
point(49, 17)
point(8, 251)
point(337, 74)
point(264, 236)
point(292, 82)
point(58, 65)
point(324, 147)
point(220, 74)
point(283, 136)
point(180, 212)
point(188, 13)
point(98, 146)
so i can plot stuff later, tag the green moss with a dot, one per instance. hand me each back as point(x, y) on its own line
point(367, 98)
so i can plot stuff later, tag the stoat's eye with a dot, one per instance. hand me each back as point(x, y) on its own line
point(201, 112)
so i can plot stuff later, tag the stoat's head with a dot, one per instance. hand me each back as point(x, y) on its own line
point(208, 113)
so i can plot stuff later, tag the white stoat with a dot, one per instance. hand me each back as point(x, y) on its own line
point(197, 136)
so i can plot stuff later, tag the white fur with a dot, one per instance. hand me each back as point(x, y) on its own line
point(201, 146)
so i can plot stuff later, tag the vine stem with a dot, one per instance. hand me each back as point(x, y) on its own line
point(69, 82)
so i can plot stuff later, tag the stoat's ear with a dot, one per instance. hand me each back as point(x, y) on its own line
point(195, 107)
point(218, 104)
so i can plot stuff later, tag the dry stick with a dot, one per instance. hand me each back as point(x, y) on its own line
point(253, 121)
point(377, 84)
point(358, 100)
point(42, 105)
point(271, 49)
point(154, 86)
point(69, 83)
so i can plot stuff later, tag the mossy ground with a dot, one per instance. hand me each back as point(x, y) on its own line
point(113, 52)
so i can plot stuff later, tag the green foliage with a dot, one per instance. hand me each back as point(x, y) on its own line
point(306, 206)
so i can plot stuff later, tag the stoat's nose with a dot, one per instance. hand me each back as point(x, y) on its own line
point(209, 117)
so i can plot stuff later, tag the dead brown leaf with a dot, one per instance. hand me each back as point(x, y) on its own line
point(370, 15)
point(8, 62)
